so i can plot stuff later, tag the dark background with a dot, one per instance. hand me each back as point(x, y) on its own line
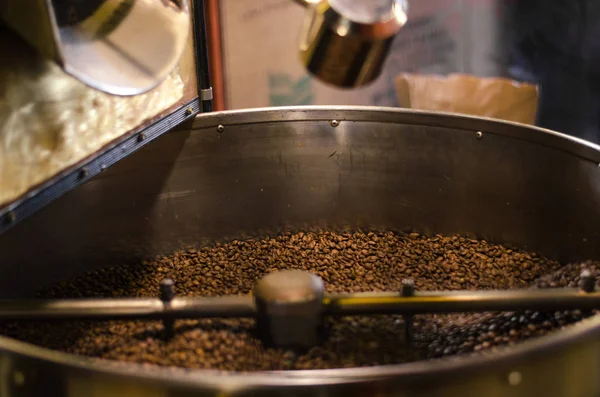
point(556, 44)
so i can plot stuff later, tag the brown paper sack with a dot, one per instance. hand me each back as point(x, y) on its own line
point(458, 93)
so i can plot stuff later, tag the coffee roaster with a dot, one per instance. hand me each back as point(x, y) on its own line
point(92, 179)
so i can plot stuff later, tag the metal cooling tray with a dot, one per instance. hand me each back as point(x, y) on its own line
point(56, 132)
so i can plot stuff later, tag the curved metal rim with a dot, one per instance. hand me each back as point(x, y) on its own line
point(540, 347)
point(579, 147)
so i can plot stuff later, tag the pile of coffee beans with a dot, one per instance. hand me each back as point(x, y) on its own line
point(347, 262)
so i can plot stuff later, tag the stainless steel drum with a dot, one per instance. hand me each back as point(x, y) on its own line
point(259, 171)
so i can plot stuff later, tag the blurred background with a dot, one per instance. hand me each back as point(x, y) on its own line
point(550, 45)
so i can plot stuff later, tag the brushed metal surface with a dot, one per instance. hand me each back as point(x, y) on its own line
point(261, 171)
point(340, 47)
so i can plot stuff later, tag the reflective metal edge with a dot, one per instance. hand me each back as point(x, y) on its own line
point(88, 168)
point(440, 369)
point(579, 147)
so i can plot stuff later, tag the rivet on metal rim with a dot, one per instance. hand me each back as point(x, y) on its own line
point(19, 378)
point(479, 134)
point(189, 111)
point(220, 128)
point(102, 167)
point(141, 137)
point(515, 378)
point(83, 173)
point(334, 123)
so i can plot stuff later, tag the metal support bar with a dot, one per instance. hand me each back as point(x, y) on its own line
point(408, 290)
point(123, 309)
point(202, 64)
point(462, 301)
point(339, 305)
point(167, 294)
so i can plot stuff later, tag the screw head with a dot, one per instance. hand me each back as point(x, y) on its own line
point(19, 378)
point(479, 134)
point(408, 287)
point(334, 123)
point(141, 137)
point(83, 172)
point(588, 281)
point(189, 111)
point(167, 289)
point(11, 217)
point(220, 128)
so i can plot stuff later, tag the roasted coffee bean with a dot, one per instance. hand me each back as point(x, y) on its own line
point(348, 262)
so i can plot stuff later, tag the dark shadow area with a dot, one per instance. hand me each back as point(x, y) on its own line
point(556, 44)
point(102, 223)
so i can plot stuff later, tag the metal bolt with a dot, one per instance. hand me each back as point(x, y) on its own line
point(479, 134)
point(102, 167)
point(515, 378)
point(19, 378)
point(588, 281)
point(220, 128)
point(167, 293)
point(408, 287)
point(83, 172)
point(167, 290)
point(11, 217)
point(334, 123)
point(189, 111)
point(408, 290)
point(141, 137)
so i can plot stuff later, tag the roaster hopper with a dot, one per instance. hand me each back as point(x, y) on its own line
point(257, 172)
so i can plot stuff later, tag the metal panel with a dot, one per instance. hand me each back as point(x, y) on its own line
point(266, 171)
point(46, 85)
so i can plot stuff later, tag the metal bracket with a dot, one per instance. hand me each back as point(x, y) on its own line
point(206, 94)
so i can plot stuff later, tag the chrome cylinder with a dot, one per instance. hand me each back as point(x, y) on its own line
point(345, 43)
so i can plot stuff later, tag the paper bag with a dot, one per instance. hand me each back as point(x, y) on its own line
point(458, 93)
